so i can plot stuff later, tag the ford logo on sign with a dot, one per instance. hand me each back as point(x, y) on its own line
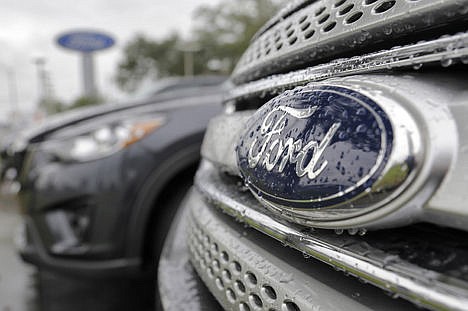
point(317, 147)
point(85, 41)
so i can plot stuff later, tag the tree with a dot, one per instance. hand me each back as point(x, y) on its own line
point(225, 30)
point(85, 101)
point(221, 33)
point(145, 58)
point(51, 105)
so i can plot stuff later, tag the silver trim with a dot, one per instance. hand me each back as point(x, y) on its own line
point(221, 138)
point(420, 286)
point(243, 267)
point(403, 162)
point(446, 50)
point(386, 195)
point(425, 152)
point(326, 29)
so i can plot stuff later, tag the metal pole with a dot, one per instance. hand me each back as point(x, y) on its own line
point(189, 49)
point(39, 62)
point(89, 88)
point(12, 89)
point(188, 63)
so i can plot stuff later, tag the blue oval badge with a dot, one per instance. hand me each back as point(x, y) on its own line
point(315, 147)
point(85, 41)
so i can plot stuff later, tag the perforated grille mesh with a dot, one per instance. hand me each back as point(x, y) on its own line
point(444, 51)
point(245, 270)
point(235, 285)
point(328, 28)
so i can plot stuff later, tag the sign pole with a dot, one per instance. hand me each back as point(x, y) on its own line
point(87, 42)
point(89, 86)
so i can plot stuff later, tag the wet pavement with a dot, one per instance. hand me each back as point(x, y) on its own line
point(17, 280)
point(24, 288)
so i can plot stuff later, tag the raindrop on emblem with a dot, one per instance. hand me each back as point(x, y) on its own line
point(361, 128)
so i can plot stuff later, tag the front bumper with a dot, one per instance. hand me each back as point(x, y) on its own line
point(76, 214)
point(246, 270)
point(179, 286)
point(32, 250)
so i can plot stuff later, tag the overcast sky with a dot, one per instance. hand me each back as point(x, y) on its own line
point(28, 29)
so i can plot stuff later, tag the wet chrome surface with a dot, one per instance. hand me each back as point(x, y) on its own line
point(444, 51)
point(310, 32)
point(420, 285)
point(436, 105)
point(244, 268)
point(359, 151)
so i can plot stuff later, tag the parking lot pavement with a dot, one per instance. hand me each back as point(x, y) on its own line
point(62, 293)
point(17, 280)
point(23, 288)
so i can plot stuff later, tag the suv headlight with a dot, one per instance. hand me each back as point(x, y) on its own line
point(101, 141)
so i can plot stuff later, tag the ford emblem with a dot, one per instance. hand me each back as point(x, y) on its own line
point(317, 147)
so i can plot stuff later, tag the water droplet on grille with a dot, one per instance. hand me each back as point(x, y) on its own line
point(445, 62)
point(339, 231)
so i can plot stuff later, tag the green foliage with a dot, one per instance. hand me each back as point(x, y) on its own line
point(225, 30)
point(51, 106)
point(145, 58)
point(221, 34)
point(85, 101)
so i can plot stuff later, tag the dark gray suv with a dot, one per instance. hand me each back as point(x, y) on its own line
point(343, 146)
point(99, 186)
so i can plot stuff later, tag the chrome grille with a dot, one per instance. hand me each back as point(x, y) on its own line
point(236, 285)
point(431, 276)
point(445, 51)
point(326, 29)
point(245, 270)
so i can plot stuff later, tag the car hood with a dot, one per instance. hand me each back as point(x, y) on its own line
point(54, 123)
point(17, 142)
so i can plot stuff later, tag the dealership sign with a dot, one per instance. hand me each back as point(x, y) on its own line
point(85, 41)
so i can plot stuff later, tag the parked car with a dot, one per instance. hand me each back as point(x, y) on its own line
point(344, 138)
point(99, 186)
point(13, 142)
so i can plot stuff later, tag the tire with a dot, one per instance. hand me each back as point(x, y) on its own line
point(161, 224)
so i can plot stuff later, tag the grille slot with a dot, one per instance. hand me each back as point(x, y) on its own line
point(326, 29)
